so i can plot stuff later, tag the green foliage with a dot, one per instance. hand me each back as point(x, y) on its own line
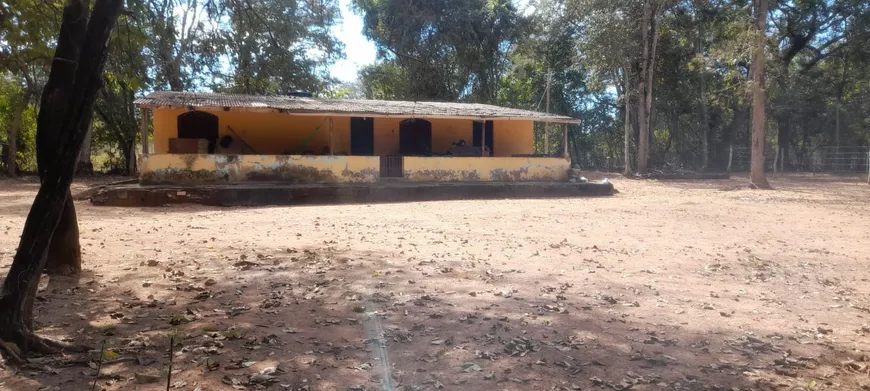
point(11, 94)
point(443, 50)
point(278, 46)
point(818, 77)
point(251, 46)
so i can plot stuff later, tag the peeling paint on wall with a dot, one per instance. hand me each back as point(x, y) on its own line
point(495, 169)
point(212, 169)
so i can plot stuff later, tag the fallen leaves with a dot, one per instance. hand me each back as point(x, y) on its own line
point(470, 367)
point(146, 378)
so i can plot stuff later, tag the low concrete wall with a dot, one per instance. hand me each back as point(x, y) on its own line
point(212, 169)
point(485, 169)
point(272, 194)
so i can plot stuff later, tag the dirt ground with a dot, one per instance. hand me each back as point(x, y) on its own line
point(666, 286)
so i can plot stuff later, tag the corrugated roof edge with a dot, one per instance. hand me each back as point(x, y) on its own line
point(344, 107)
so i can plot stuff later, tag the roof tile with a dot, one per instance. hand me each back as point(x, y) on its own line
point(349, 107)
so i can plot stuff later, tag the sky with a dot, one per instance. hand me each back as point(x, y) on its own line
point(359, 51)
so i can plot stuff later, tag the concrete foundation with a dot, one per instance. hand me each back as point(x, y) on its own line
point(263, 194)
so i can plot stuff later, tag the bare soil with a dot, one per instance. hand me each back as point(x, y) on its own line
point(702, 285)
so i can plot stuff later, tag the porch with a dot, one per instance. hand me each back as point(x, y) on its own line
point(233, 139)
point(190, 169)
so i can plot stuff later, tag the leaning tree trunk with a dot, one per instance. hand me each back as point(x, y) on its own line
point(64, 257)
point(65, 252)
point(86, 165)
point(20, 286)
point(756, 174)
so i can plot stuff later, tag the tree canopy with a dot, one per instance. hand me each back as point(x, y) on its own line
point(675, 74)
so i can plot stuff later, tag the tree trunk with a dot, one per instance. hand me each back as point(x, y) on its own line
point(129, 157)
point(757, 176)
point(837, 128)
point(175, 83)
point(841, 86)
point(12, 138)
point(705, 122)
point(86, 166)
point(64, 257)
point(783, 137)
point(649, 38)
point(627, 125)
point(651, 66)
point(741, 115)
point(642, 117)
point(65, 252)
point(20, 286)
point(705, 126)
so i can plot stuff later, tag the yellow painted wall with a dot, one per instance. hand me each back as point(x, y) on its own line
point(203, 169)
point(387, 136)
point(511, 137)
point(279, 133)
point(445, 132)
point(502, 169)
point(267, 133)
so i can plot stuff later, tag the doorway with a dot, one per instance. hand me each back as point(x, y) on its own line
point(490, 142)
point(199, 125)
point(415, 137)
point(362, 136)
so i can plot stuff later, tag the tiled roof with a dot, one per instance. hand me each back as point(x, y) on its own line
point(343, 107)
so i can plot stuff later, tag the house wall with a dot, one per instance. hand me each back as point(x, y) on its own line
point(271, 133)
point(209, 169)
point(501, 169)
point(513, 138)
point(267, 133)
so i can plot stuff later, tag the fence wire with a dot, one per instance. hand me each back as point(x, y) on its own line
point(830, 159)
point(841, 159)
point(822, 159)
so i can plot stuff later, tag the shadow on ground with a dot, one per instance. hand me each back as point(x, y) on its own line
point(322, 319)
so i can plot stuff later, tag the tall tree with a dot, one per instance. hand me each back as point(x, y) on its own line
point(24, 53)
point(809, 32)
point(278, 46)
point(88, 38)
point(627, 121)
point(616, 31)
point(443, 50)
point(652, 10)
point(64, 251)
point(126, 74)
point(757, 175)
point(548, 56)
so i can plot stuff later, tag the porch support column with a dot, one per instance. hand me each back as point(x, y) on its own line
point(331, 128)
point(143, 130)
point(565, 141)
point(483, 138)
point(546, 138)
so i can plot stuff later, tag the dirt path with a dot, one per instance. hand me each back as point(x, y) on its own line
point(666, 286)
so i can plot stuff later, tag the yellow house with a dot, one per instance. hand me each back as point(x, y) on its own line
point(222, 138)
